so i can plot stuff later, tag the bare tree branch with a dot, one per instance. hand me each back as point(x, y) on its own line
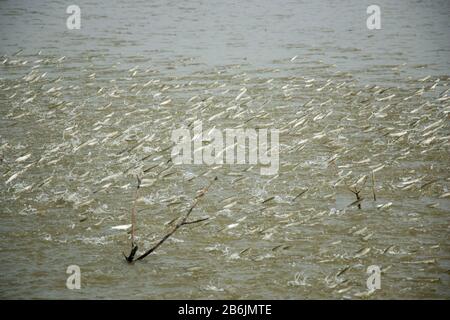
point(181, 223)
point(195, 221)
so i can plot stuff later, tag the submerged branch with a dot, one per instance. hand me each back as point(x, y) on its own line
point(359, 199)
point(373, 186)
point(182, 222)
point(195, 221)
point(353, 188)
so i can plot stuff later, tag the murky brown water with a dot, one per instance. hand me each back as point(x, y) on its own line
point(83, 112)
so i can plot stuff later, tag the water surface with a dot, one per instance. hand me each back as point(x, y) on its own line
point(85, 111)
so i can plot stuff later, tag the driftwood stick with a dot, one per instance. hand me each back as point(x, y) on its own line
point(353, 188)
point(195, 221)
point(373, 186)
point(181, 223)
point(300, 194)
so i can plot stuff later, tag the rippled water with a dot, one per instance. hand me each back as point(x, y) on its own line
point(85, 111)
